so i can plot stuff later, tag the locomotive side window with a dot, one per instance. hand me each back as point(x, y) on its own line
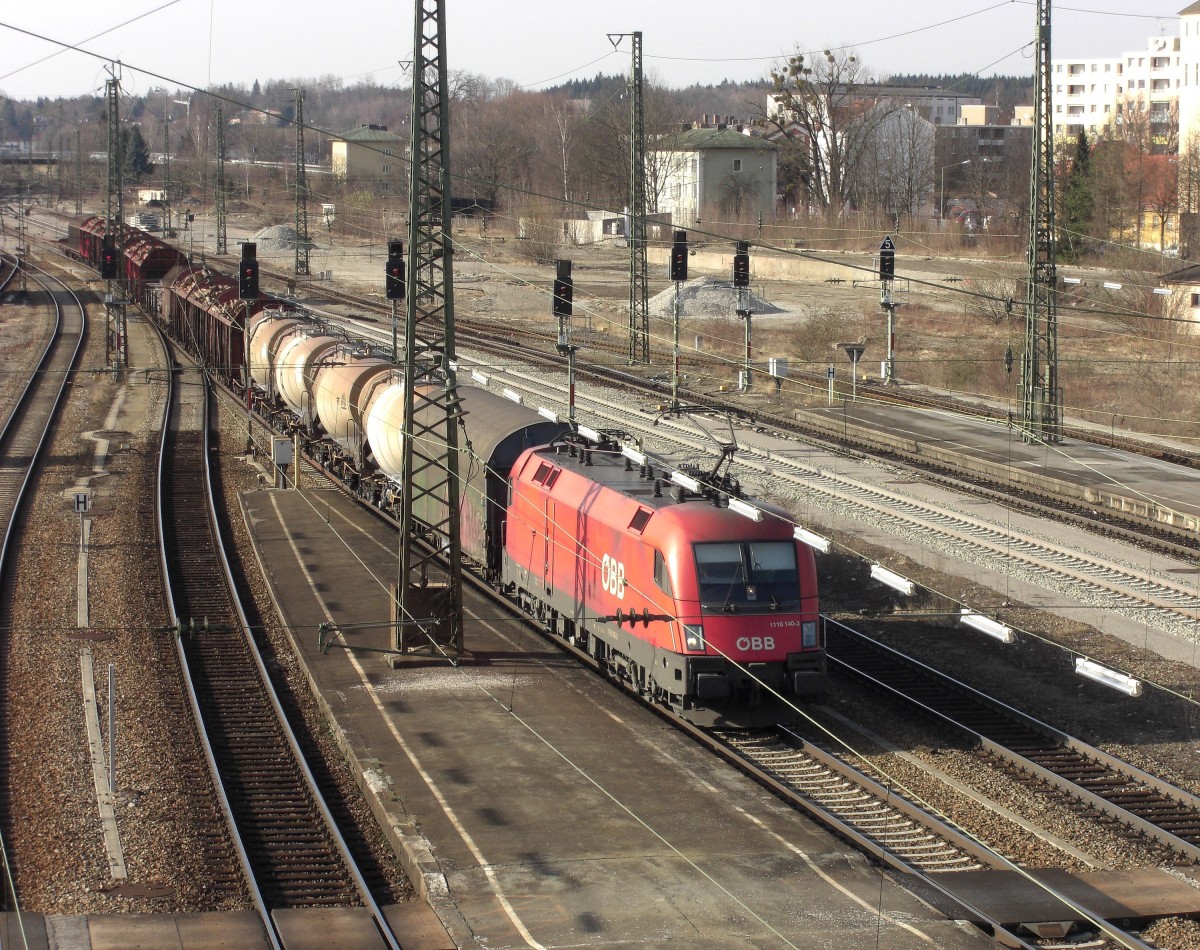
point(543, 470)
point(756, 576)
point(640, 519)
point(661, 577)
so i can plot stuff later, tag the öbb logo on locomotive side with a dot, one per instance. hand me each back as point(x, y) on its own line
point(755, 644)
point(612, 576)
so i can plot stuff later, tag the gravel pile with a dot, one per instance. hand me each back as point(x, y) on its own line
point(278, 237)
point(707, 297)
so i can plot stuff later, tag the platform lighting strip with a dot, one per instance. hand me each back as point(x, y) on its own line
point(588, 433)
point(479, 377)
point(547, 413)
point(993, 628)
point(1071, 280)
point(1102, 674)
point(893, 580)
point(513, 395)
point(745, 509)
point(685, 481)
point(1163, 291)
point(1112, 285)
point(814, 541)
point(636, 457)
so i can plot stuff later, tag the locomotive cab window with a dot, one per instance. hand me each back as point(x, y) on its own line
point(661, 577)
point(751, 576)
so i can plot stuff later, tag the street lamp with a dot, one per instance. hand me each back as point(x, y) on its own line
point(942, 200)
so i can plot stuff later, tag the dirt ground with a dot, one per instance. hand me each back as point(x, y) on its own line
point(1118, 370)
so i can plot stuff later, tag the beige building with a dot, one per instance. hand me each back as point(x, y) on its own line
point(369, 157)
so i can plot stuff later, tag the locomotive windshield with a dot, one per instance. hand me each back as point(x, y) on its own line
point(748, 576)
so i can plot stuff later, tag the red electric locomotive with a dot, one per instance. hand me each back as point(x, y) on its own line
point(709, 610)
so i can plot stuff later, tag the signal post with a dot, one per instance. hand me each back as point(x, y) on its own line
point(887, 274)
point(741, 281)
point(678, 273)
point(562, 306)
point(247, 292)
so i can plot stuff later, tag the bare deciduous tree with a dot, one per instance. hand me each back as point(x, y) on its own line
point(825, 114)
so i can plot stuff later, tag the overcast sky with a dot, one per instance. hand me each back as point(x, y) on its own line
point(537, 43)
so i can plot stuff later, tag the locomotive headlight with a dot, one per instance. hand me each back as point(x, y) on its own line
point(808, 633)
point(693, 636)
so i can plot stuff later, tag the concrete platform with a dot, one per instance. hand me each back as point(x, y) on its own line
point(534, 805)
point(303, 929)
point(1116, 896)
point(1092, 473)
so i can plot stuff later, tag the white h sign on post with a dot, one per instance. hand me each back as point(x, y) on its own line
point(83, 504)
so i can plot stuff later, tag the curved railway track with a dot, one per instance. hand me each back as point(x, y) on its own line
point(290, 846)
point(1097, 781)
point(22, 442)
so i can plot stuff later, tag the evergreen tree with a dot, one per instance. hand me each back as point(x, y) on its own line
point(136, 154)
point(1077, 199)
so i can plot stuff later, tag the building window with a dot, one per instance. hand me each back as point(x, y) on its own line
point(387, 169)
point(1196, 300)
point(387, 153)
point(737, 164)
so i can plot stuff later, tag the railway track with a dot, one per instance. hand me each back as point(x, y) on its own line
point(1098, 782)
point(22, 442)
point(851, 798)
point(1153, 598)
point(290, 848)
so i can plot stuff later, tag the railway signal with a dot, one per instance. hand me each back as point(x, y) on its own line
point(248, 272)
point(741, 265)
point(394, 271)
point(564, 289)
point(108, 261)
point(679, 256)
point(887, 259)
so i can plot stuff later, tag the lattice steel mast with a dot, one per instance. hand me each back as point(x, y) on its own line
point(639, 313)
point(1041, 395)
point(301, 189)
point(429, 582)
point(222, 243)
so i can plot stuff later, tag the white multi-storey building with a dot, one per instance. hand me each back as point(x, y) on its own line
point(1189, 73)
point(1087, 94)
point(1142, 86)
